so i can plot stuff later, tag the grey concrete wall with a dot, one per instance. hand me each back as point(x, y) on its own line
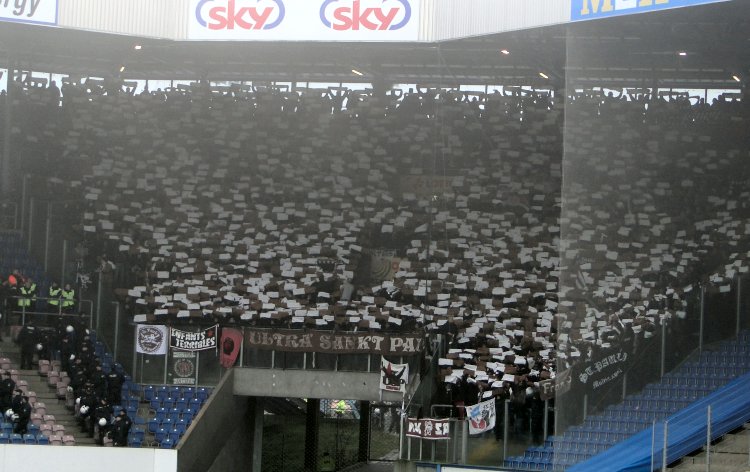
point(237, 452)
point(310, 384)
point(220, 429)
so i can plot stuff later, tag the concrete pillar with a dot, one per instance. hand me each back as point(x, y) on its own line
point(255, 413)
point(363, 452)
point(312, 428)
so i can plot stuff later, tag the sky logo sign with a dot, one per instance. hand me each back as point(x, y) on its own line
point(372, 15)
point(246, 15)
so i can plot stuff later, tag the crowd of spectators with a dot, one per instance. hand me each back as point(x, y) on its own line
point(461, 214)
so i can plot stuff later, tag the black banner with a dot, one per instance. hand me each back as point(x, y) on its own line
point(606, 367)
point(428, 428)
point(192, 340)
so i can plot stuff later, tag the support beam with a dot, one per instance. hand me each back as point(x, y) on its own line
point(312, 428)
point(363, 452)
point(255, 414)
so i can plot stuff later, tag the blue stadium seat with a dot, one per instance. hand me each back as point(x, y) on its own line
point(4, 438)
point(167, 443)
point(153, 425)
point(175, 435)
point(138, 432)
point(16, 438)
point(170, 401)
point(181, 403)
point(161, 413)
point(161, 434)
point(29, 438)
point(196, 404)
point(42, 440)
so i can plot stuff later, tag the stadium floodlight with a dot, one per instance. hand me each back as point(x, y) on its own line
point(736, 78)
point(122, 68)
point(137, 47)
point(543, 75)
point(504, 52)
point(682, 53)
point(356, 72)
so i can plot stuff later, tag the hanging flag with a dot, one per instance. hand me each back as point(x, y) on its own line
point(151, 339)
point(393, 377)
point(231, 341)
point(193, 340)
point(481, 416)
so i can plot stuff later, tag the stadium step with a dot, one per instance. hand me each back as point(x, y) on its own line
point(45, 394)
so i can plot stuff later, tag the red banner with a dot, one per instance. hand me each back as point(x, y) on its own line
point(231, 341)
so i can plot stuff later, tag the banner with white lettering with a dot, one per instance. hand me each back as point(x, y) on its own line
point(428, 428)
point(43, 12)
point(481, 417)
point(406, 344)
point(193, 340)
point(608, 366)
point(594, 9)
point(558, 386)
point(393, 377)
point(151, 339)
point(304, 20)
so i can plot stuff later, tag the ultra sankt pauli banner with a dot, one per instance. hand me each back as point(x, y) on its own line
point(402, 344)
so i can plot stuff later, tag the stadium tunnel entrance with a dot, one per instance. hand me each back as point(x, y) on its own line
point(250, 422)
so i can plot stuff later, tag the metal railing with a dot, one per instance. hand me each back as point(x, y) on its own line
point(22, 312)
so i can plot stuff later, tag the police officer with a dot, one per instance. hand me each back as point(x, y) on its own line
point(7, 386)
point(68, 299)
point(27, 296)
point(114, 387)
point(103, 412)
point(86, 409)
point(55, 293)
point(24, 415)
point(121, 428)
point(27, 338)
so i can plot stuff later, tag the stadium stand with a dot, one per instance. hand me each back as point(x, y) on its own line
point(256, 206)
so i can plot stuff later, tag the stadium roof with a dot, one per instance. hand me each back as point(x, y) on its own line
point(640, 50)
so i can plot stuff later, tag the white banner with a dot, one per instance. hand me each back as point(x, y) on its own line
point(481, 417)
point(393, 377)
point(304, 20)
point(29, 11)
point(151, 339)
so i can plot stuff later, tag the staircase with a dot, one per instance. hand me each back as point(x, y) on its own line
point(730, 454)
point(45, 394)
